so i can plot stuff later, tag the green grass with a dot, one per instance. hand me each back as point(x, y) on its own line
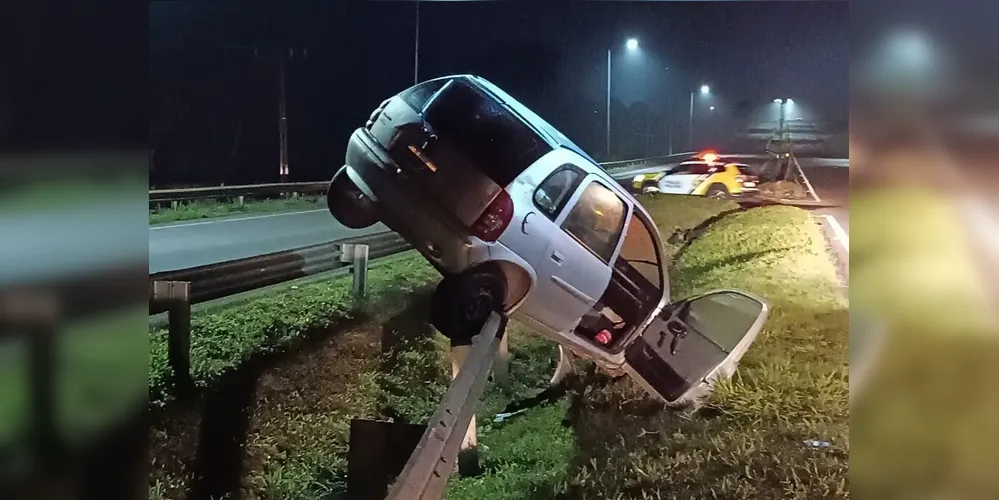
point(748, 441)
point(98, 380)
point(206, 209)
point(224, 339)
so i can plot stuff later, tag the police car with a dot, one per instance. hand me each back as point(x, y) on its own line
point(705, 175)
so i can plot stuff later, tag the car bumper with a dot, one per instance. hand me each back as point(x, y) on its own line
point(407, 211)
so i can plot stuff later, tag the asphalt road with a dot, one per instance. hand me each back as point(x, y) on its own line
point(190, 244)
point(833, 184)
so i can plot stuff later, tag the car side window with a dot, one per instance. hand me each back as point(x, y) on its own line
point(554, 192)
point(597, 219)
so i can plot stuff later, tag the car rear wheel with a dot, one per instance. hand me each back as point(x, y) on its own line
point(463, 302)
point(717, 191)
point(348, 204)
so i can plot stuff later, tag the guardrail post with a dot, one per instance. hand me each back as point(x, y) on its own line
point(468, 456)
point(177, 296)
point(240, 198)
point(357, 256)
point(501, 365)
point(37, 316)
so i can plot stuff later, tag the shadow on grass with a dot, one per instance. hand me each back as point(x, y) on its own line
point(412, 376)
point(205, 432)
point(733, 260)
point(685, 237)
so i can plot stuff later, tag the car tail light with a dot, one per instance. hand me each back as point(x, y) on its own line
point(495, 219)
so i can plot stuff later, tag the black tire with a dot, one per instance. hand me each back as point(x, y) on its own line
point(348, 204)
point(462, 303)
point(718, 191)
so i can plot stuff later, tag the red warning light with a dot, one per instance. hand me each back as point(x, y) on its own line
point(709, 156)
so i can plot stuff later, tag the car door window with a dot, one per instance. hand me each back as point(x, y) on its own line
point(597, 219)
point(554, 192)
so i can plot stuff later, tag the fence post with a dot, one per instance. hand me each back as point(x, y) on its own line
point(501, 365)
point(468, 456)
point(177, 296)
point(37, 315)
point(240, 198)
point(357, 256)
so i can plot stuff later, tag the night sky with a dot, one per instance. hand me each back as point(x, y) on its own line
point(214, 102)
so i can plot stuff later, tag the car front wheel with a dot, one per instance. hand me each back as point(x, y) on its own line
point(348, 204)
point(462, 303)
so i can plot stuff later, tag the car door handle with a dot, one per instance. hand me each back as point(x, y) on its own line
point(557, 257)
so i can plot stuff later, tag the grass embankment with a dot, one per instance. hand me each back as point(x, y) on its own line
point(748, 441)
point(281, 430)
point(207, 209)
point(227, 338)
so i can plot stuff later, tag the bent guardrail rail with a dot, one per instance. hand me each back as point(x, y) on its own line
point(426, 474)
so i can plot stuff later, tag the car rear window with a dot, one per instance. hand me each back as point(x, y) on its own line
point(489, 135)
point(418, 95)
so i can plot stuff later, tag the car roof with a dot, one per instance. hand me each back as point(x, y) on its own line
point(553, 134)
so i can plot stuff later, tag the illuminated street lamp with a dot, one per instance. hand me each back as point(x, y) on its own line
point(632, 46)
point(705, 90)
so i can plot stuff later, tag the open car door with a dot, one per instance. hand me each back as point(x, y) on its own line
point(693, 342)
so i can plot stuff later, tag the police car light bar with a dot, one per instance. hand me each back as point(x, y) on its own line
point(709, 156)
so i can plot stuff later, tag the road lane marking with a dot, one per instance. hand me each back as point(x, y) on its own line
point(841, 235)
point(235, 220)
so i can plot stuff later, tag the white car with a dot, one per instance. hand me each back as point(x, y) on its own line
point(519, 219)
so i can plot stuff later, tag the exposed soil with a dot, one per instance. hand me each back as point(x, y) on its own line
point(273, 407)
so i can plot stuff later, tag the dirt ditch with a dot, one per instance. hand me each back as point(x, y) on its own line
point(278, 426)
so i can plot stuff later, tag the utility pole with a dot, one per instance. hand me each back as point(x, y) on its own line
point(282, 56)
point(282, 122)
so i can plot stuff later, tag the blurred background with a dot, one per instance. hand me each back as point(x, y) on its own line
point(75, 139)
point(924, 147)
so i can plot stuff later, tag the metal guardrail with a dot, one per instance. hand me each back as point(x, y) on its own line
point(186, 194)
point(198, 193)
point(215, 281)
point(426, 474)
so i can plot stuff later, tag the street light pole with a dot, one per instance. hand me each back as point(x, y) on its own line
point(416, 47)
point(608, 101)
point(690, 128)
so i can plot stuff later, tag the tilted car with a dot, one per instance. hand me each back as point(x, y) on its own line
point(519, 219)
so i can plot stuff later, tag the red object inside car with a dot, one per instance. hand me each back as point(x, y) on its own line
point(604, 337)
